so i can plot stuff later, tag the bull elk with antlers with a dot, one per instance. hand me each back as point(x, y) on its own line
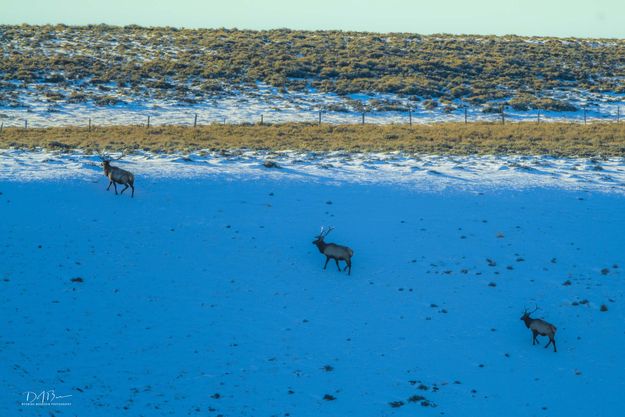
point(117, 175)
point(540, 327)
point(334, 251)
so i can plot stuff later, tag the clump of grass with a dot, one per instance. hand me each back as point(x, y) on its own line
point(416, 398)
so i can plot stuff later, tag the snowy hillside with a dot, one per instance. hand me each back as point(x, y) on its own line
point(203, 295)
point(64, 75)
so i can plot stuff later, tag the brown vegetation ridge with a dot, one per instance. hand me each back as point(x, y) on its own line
point(109, 64)
point(557, 139)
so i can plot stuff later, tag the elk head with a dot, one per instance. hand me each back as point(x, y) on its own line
point(322, 234)
point(526, 315)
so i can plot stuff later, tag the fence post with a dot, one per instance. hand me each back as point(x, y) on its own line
point(1, 126)
point(224, 120)
point(319, 123)
point(584, 115)
point(148, 122)
point(410, 117)
point(363, 117)
point(503, 115)
point(538, 116)
point(25, 123)
point(90, 124)
point(195, 120)
point(465, 114)
point(618, 114)
point(261, 119)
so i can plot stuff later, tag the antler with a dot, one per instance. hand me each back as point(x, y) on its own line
point(124, 153)
point(107, 157)
point(102, 156)
point(322, 234)
point(530, 312)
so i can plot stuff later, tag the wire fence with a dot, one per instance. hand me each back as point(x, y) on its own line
point(408, 117)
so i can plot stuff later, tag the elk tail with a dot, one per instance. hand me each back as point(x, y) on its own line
point(351, 252)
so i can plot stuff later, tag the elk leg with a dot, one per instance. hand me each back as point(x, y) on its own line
point(133, 191)
point(115, 186)
point(337, 264)
point(110, 183)
point(550, 342)
point(534, 335)
point(125, 188)
point(326, 264)
point(349, 265)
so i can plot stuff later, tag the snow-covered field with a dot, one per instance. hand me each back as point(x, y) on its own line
point(247, 105)
point(420, 172)
point(203, 295)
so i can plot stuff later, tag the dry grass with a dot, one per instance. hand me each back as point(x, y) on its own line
point(558, 139)
point(193, 65)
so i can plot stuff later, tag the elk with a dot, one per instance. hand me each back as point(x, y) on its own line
point(540, 327)
point(117, 175)
point(334, 251)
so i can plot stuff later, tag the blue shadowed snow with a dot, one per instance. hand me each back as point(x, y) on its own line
point(205, 296)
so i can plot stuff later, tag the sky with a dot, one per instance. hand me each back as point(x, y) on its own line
point(591, 18)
